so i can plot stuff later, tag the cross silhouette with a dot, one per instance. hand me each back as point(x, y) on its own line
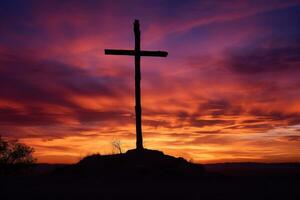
point(137, 53)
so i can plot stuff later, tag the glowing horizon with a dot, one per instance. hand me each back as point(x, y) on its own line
point(228, 91)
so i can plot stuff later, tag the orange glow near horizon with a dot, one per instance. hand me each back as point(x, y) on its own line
point(227, 92)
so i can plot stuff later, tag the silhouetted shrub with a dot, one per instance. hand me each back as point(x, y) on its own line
point(14, 156)
point(117, 147)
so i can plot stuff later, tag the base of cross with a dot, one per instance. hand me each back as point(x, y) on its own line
point(145, 152)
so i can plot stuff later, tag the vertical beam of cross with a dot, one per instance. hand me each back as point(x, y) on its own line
point(138, 107)
point(137, 53)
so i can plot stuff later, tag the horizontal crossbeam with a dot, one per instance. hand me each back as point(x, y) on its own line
point(154, 53)
point(132, 53)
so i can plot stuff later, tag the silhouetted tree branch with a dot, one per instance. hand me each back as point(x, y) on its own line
point(13, 153)
point(117, 145)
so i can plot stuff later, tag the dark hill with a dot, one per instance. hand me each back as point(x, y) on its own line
point(133, 163)
point(153, 175)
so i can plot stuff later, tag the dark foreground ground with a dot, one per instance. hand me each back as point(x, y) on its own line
point(217, 181)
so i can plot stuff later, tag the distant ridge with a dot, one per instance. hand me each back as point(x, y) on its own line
point(254, 168)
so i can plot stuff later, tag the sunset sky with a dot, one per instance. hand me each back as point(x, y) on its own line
point(229, 91)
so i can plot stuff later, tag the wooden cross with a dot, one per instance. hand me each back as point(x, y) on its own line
point(137, 53)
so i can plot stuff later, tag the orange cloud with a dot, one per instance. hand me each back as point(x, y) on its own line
point(229, 90)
